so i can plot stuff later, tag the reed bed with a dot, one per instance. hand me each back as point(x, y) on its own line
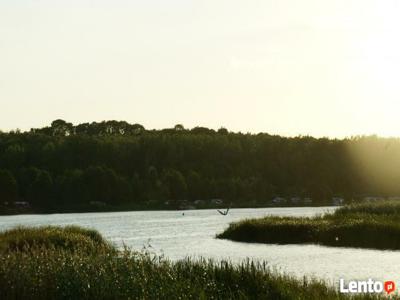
point(57, 263)
point(366, 225)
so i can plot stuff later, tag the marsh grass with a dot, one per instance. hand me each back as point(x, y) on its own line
point(73, 263)
point(70, 238)
point(367, 225)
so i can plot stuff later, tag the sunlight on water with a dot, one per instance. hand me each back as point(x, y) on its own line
point(177, 236)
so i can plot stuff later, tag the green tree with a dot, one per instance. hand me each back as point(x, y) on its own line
point(176, 184)
point(104, 185)
point(179, 127)
point(14, 156)
point(40, 193)
point(8, 187)
point(60, 127)
point(194, 186)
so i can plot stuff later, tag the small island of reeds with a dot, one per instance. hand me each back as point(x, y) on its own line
point(76, 263)
point(365, 225)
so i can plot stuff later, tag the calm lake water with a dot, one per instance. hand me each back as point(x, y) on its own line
point(177, 236)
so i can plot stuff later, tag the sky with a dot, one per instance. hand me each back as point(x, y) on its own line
point(288, 67)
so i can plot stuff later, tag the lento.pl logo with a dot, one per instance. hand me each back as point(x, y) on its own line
point(369, 286)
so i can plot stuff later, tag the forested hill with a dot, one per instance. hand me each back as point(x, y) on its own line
point(119, 164)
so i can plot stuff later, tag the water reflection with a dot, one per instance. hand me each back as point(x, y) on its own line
point(177, 236)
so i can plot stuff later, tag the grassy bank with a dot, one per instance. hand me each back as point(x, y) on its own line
point(73, 263)
point(367, 225)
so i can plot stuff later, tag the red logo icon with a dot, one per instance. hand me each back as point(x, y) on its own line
point(389, 286)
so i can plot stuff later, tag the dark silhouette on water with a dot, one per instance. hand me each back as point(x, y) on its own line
point(224, 213)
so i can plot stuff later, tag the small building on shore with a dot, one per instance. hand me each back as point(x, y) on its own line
point(97, 203)
point(22, 204)
point(216, 201)
point(307, 201)
point(279, 200)
point(295, 200)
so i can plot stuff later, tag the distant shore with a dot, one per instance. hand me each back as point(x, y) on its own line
point(117, 166)
point(90, 209)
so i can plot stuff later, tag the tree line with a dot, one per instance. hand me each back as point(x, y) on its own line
point(117, 163)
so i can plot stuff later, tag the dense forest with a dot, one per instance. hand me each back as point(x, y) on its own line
point(115, 164)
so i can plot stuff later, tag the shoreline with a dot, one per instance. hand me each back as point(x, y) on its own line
point(117, 209)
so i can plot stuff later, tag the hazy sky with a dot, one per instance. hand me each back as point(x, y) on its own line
point(324, 68)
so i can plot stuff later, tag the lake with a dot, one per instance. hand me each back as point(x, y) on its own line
point(177, 236)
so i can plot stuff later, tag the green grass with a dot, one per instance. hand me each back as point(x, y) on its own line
point(73, 263)
point(70, 238)
point(367, 225)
